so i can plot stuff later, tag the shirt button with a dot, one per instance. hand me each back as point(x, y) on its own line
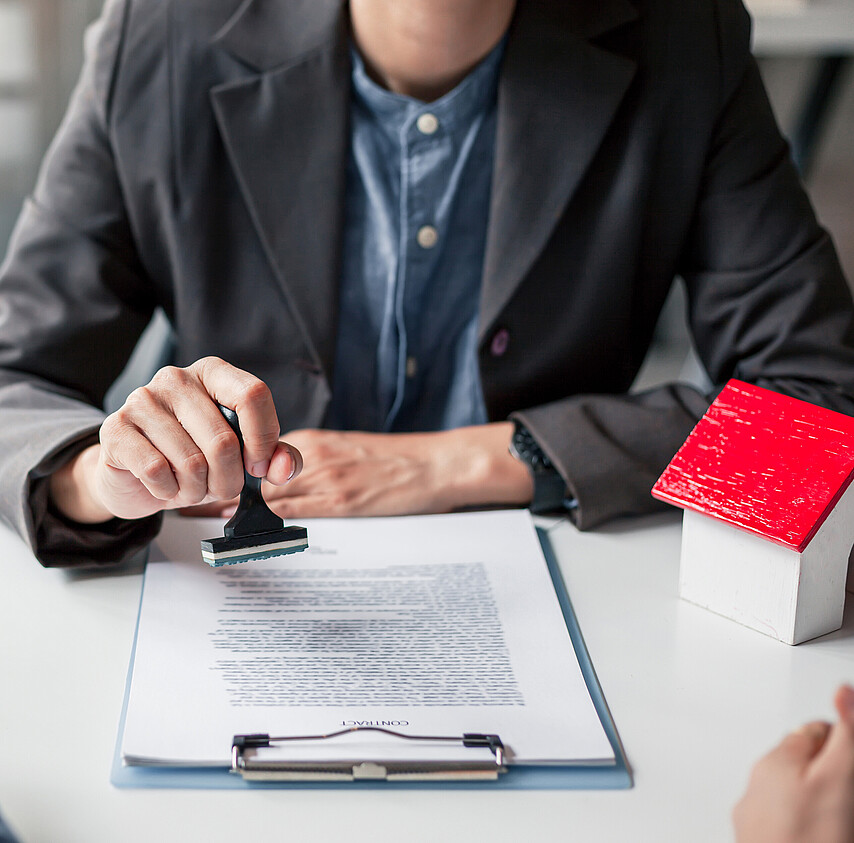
point(411, 367)
point(427, 237)
point(500, 341)
point(427, 124)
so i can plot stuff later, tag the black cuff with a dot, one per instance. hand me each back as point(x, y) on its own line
point(550, 493)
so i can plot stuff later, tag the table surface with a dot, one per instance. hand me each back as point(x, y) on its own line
point(696, 698)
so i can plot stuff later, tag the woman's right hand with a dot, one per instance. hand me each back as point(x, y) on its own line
point(169, 446)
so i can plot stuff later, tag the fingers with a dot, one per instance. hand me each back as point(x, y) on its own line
point(820, 749)
point(171, 438)
point(359, 474)
point(252, 400)
point(178, 446)
point(773, 802)
point(837, 754)
point(803, 790)
point(791, 757)
point(126, 448)
point(819, 745)
point(215, 509)
point(818, 736)
point(844, 702)
point(331, 505)
point(804, 743)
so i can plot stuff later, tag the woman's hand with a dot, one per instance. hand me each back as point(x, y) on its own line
point(168, 446)
point(401, 473)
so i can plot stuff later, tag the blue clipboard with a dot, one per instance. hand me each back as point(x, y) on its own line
point(615, 776)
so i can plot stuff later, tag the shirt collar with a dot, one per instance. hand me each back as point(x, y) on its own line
point(471, 97)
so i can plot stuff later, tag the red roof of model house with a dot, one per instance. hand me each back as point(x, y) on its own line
point(766, 463)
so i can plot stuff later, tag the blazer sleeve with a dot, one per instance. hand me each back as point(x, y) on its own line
point(767, 304)
point(74, 300)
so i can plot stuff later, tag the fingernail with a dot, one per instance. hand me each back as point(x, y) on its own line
point(813, 731)
point(293, 466)
point(260, 469)
point(848, 699)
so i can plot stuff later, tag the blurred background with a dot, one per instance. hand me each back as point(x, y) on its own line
point(41, 49)
point(804, 48)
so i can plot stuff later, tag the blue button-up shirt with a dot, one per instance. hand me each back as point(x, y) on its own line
point(417, 205)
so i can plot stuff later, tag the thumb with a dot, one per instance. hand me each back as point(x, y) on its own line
point(285, 464)
point(838, 751)
point(844, 702)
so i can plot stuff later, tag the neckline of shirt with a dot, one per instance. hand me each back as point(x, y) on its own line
point(470, 98)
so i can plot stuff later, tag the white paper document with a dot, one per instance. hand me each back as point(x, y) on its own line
point(426, 625)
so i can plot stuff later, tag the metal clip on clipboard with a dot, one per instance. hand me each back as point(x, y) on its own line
point(254, 769)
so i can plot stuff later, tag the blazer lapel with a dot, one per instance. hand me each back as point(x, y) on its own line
point(285, 128)
point(557, 96)
point(285, 131)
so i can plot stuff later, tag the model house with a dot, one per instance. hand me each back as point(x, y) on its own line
point(765, 482)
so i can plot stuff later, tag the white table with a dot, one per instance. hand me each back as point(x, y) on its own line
point(695, 697)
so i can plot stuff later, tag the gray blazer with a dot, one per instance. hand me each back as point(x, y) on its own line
point(201, 169)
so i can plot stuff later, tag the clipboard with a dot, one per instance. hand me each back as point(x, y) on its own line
point(497, 774)
point(484, 766)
